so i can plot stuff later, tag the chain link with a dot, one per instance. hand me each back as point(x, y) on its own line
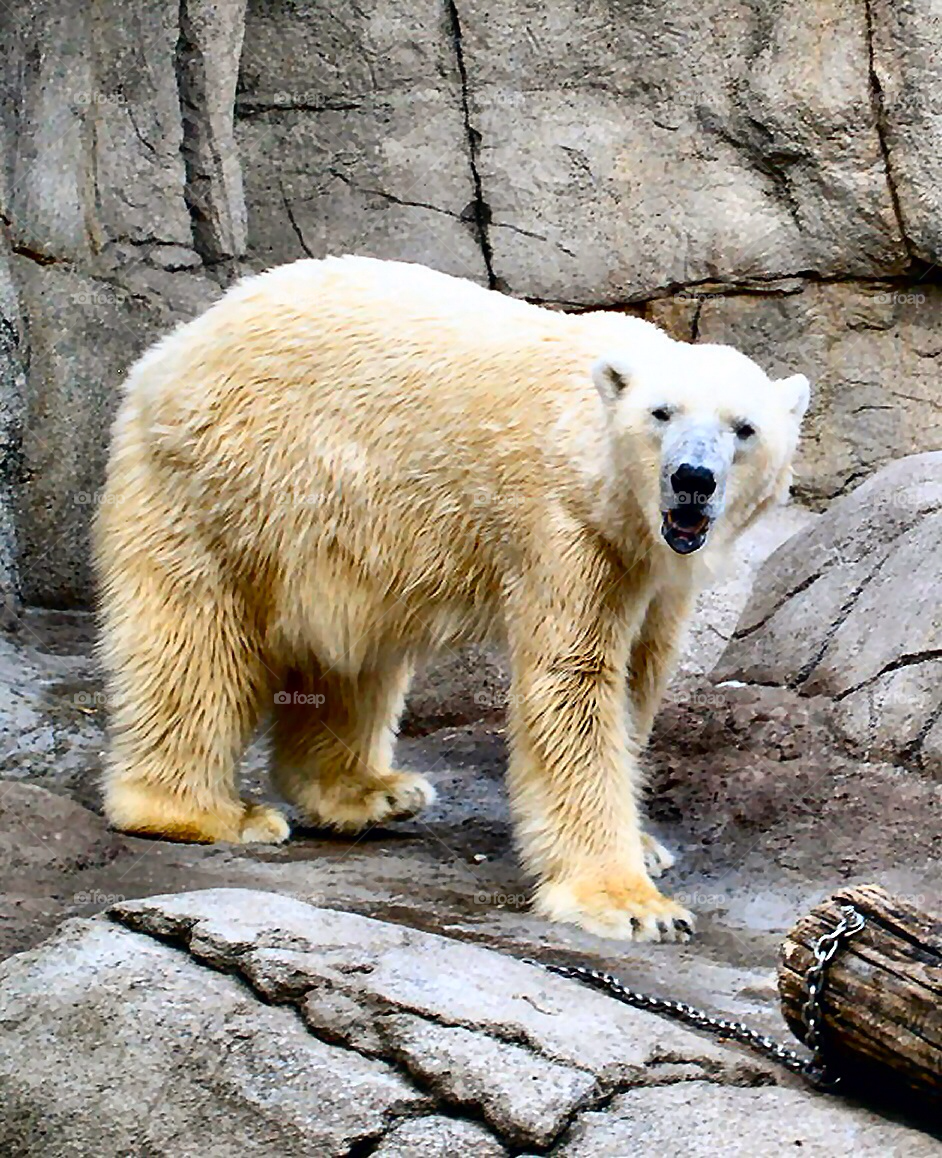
point(824, 950)
point(813, 1068)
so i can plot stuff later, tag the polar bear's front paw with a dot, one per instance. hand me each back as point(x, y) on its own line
point(657, 859)
point(353, 807)
point(611, 904)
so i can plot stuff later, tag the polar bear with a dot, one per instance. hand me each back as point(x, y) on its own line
point(345, 463)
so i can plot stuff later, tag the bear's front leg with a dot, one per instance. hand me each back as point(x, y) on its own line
point(573, 773)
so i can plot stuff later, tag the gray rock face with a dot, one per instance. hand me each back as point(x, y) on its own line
point(355, 140)
point(849, 609)
point(160, 1011)
point(784, 158)
point(905, 37)
point(872, 352)
point(12, 391)
point(685, 141)
point(84, 331)
point(94, 130)
point(207, 64)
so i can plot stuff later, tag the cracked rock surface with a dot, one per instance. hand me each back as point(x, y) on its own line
point(206, 1023)
point(849, 609)
point(756, 173)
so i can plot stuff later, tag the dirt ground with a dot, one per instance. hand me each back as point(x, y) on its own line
point(765, 812)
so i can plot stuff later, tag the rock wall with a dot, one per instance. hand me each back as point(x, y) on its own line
point(739, 170)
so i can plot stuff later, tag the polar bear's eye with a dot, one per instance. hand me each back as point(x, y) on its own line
point(661, 413)
point(744, 430)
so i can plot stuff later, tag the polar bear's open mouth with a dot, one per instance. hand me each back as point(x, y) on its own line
point(685, 529)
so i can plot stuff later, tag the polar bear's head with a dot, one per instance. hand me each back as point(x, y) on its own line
point(700, 434)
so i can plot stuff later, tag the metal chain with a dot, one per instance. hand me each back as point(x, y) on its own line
point(813, 1068)
point(824, 949)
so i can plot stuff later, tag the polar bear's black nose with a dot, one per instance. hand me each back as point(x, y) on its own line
point(692, 480)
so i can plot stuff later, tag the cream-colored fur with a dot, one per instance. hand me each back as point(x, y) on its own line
point(345, 463)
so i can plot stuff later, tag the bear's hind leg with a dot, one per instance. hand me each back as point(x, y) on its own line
point(185, 681)
point(333, 738)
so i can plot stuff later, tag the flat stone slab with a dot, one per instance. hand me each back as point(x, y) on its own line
point(238, 1022)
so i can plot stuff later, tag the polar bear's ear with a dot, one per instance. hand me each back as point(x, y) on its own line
point(796, 391)
point(611, 377)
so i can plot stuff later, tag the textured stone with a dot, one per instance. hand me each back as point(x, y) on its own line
point(287, 948)
point(181, 1015)
point(207, 63)
point(675, 144)
point(525, 1098)
point(12, 391)
point(355, 140)
point(871, 352)
point(907, 35)
point(849, 609)
point(84, 333)
point(94, 128)
point(42, 832)
point(439, 1137)
point(701, 1121)
point(181, 1060)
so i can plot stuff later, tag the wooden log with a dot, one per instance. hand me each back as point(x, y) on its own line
point(882, 999)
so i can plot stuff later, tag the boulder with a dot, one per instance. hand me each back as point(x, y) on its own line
point(849, 609)
point(701, 1120)
point(230, 1021)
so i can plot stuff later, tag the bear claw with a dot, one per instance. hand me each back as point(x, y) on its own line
point(657, 859)
point(628, 908)
point(402, 796)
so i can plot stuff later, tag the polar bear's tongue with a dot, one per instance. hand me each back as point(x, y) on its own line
point(688, 519)
point(684, 530)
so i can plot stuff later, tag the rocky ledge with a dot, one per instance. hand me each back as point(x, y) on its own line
point(233, 1021)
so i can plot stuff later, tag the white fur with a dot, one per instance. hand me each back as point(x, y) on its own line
point(344, 463)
